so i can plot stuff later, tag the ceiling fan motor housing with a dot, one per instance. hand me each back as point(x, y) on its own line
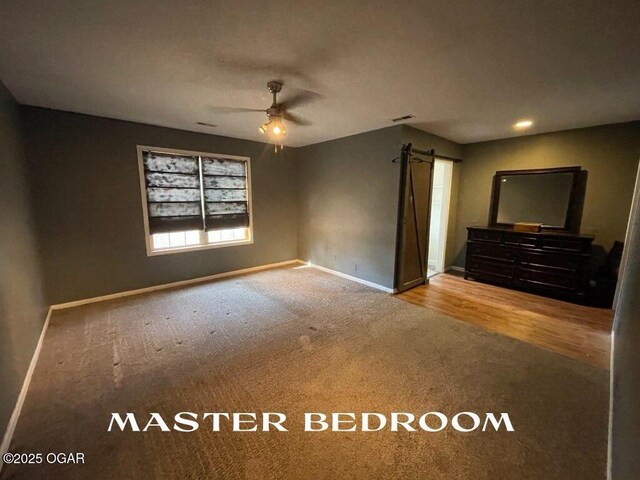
point(274, 86)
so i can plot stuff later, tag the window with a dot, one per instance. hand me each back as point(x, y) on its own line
point(194, 200)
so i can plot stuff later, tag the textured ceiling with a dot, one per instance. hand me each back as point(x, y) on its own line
point(466, 70)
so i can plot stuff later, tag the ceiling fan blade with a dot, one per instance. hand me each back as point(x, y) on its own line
point(295, 119)
point(303, 98)
point(236, 109)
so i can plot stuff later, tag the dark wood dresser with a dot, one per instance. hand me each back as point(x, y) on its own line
point(551, 263)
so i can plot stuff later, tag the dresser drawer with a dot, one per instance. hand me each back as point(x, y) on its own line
point(492, 253)
point(485, 236)
point(520, 240)
point(568, 262)
point(546, 279)
point(494, 269)
point(565, 245)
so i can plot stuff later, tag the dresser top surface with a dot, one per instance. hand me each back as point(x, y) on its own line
point(545, 233)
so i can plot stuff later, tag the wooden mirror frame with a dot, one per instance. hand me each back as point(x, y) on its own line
point(576, 197)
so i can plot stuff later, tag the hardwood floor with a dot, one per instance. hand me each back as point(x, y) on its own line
point(575, 331)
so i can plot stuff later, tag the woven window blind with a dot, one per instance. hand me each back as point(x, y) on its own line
point(192, 192)
point(174, 200)
point(224, 184)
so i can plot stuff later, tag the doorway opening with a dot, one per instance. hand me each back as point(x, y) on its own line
point(440, 202)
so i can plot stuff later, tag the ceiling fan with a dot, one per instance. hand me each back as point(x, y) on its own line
point(277, 112)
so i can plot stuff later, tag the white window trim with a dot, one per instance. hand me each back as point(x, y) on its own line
point(151, 252)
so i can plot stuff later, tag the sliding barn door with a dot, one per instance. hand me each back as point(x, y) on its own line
point(413, 221)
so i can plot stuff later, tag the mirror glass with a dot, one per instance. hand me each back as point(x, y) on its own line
point(536, 198)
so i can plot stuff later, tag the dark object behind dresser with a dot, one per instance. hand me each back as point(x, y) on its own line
point(603, 285)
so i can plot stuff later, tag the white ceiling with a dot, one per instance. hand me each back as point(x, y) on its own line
point(466, 69)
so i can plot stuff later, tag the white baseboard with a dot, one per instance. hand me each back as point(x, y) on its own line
point(454, 268)
point(349, 277)
point(164, 286)
point(15, 415)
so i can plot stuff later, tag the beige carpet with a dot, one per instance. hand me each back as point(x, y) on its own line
point(293, 341)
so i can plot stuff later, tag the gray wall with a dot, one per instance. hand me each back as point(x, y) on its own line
point(333, 203)
point(22, 306)
point(84, 174)
point(610, 154)
point(348, 201)
point(625, 416)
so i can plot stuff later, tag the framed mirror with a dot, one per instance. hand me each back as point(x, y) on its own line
point(552, 197)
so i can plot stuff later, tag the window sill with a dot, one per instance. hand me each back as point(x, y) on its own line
point(193, 248)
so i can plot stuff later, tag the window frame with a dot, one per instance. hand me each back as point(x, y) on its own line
point(151, 252)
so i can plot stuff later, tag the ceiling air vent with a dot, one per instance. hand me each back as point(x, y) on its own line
point(406, 117)
point(204, 124)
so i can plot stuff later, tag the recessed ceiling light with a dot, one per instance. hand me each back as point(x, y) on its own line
point(522, 124)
